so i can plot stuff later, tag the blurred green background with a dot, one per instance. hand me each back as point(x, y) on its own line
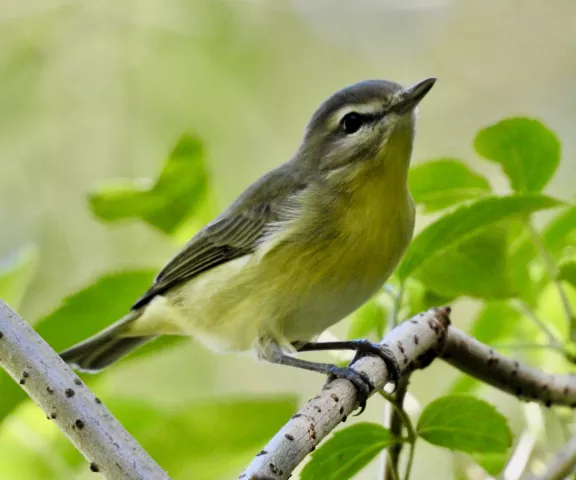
point(91, 91)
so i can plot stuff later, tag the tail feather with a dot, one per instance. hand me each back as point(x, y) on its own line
point(104, 348)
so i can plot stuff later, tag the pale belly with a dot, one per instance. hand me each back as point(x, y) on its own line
point(290, 294)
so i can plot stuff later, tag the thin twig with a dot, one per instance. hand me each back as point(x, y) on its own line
point(562, 465)
point(398, 420)
point(528, 312)
point(65, 399)
point(552, 270)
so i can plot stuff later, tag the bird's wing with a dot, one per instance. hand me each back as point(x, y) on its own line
point(233, 234)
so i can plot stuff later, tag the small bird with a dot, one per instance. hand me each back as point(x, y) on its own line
point(303, 247)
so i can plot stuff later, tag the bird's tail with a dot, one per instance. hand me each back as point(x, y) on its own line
point(104, 348)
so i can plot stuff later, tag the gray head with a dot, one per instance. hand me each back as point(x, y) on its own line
point(363, 121)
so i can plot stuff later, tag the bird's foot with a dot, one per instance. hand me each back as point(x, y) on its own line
point(360, 380)
point(365, 347)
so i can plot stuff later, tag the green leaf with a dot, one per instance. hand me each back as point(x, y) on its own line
point(204, 430)
point(203, 440)
point(347, 452)
point(178, 192)
point(464, 384)
point(476, 267)
point(16, 273)
point(492, 463)
point(464, 423)
point(465, 222)
point(370, 318)
point(79, 316)
point(442, 183)
point(496, 321)
point(560, 232)
point(420, 299)
point(568, 272)
point(528, 151)
point(94, 307)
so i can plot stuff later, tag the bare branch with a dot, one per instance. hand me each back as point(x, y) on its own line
point(562, 465)
point(65, 399)
point(415, 343)
point(484, 363)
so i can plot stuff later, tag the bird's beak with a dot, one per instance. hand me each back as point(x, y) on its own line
point(409, 97)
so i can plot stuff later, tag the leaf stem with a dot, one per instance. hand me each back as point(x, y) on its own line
point(396, 306)
point(552, 338)
point(411, 438)
point(552, 270)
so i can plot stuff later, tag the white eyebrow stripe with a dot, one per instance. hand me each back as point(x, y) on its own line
point(363, 109)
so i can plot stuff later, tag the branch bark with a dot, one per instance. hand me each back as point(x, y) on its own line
point(65, 399)
point(415, 343)
point(484, 363)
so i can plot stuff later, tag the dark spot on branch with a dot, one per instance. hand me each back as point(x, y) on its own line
point(317, 408)
point(425, 358)
point(1, 335)
point(335, 397)
point(25, 374)
point(312, 449)
point(69, 392)
point(97, 400)
point(341, 410)
point(50, 390)
point(400, 347)
point(79, 424)
point(296, 415)
point(22, 381)
point(416, 339)
point(94, 467)
point(77, 381)
point(274, 469)
point(262, 452)
point(312, 432)
point(344, 418)
point(53, 415)
point(289, 437)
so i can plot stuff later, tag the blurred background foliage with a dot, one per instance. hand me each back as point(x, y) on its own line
point(124, 126)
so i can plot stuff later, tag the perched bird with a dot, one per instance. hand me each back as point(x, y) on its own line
point(300, 249)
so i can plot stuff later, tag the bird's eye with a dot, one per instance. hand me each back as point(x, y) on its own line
point(352, 122)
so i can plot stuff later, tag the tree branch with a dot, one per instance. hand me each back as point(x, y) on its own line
point(415, 343)
point(484, 363)
point(562, 465)
point(65, 399)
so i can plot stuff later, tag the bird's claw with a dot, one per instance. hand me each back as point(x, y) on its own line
point(366, 347)
point(362, 383)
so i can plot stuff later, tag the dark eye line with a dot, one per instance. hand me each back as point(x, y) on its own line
point(369, 118)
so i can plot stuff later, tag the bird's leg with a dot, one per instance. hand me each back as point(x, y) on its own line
point(362, 347)
point(274, 354)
